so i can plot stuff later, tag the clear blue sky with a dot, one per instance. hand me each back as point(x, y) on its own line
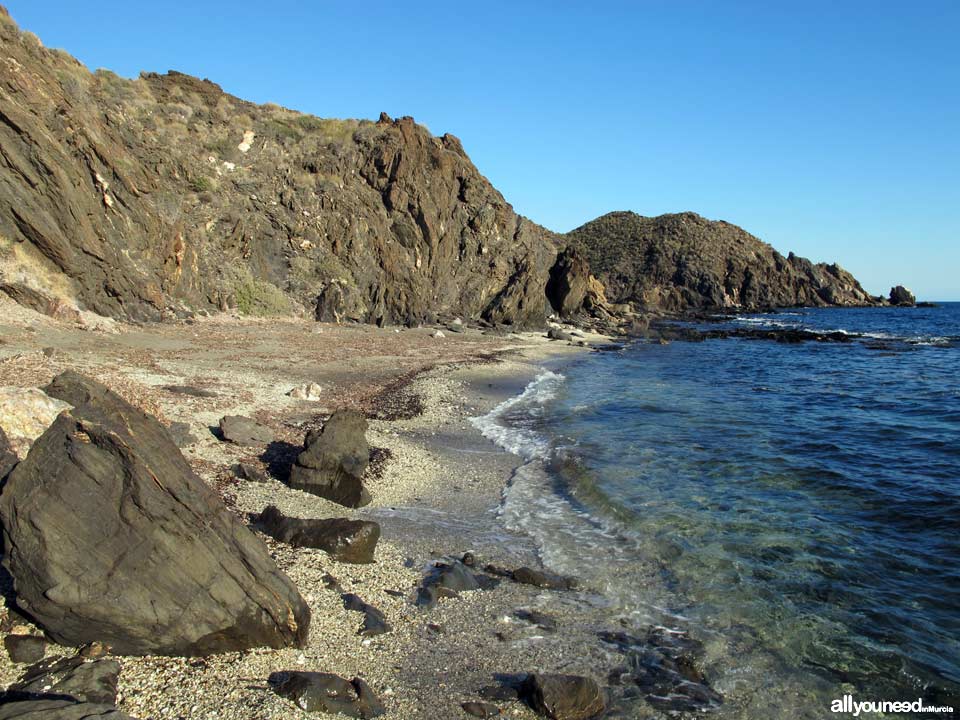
point(826, 128)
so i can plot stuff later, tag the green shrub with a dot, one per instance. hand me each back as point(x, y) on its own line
point(259, 298)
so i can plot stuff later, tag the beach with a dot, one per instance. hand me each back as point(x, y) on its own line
point(436, 495)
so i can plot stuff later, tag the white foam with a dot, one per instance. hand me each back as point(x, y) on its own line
point(508, 424)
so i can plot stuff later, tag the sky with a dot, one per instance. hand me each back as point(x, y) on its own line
point(825, 128)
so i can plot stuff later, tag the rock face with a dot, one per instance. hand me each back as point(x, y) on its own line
point(350, 541)
point(140, 198)
point(111, 537)
point(899, 295)
point(326, 693)
point(334, 459)
point(564, 697)
point(684, 261)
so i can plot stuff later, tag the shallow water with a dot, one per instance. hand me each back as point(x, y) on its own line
point(795, 507)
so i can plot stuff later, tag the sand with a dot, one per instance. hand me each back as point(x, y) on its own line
point(437, 495)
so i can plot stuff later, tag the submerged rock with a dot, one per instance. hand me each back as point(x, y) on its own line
point(334, 459)
point(326, 693)
point(544, 579)
point(350, 541)
point(111, 537)
point(563, 697)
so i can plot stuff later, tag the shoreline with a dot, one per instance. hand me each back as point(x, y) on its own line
point(437, 496)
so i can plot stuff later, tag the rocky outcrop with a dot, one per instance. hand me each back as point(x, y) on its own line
point(143, 198)
point(899, 295)
point(680, 262)
point(334, 459)
point(110, 536)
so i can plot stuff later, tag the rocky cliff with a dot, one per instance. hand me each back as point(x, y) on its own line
point(134, 198)
point(684, 261)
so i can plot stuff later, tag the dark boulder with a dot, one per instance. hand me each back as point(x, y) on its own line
point(250, 473)
point(563, 697)
point(544, 579)
point(69, 678)
point(349, 541)
point(569, 280)
point(449, 579)
point(334, 459)
point(25, 648)
point(53, 709)
point(190, 390)
point(374, 621)
point(899, 295)
point(244, 431)
point(326, 693)
point(111, 537)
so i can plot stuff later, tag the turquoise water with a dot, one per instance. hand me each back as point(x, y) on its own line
point(795, 507)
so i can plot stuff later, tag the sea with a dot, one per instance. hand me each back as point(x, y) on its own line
point(793, 508)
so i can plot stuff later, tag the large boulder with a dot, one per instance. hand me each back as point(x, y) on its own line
point(334, 459)
point(349, 541)
point(568, 283)
point(93, 681)
point(899, 295)
point(111, 537)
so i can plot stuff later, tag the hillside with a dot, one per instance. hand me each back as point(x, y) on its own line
point(685, 261)
point(138, 198)
point(163, 196)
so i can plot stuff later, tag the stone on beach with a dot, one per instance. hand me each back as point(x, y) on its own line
point(448, 579)
point(374, 621)
point(242, 430)
point(310, 391)
point(334, 459)
point(111, 537)
point(480, 709)
point(327, 693)
point(563, 697)
point(25, 648)
point(349, 541)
